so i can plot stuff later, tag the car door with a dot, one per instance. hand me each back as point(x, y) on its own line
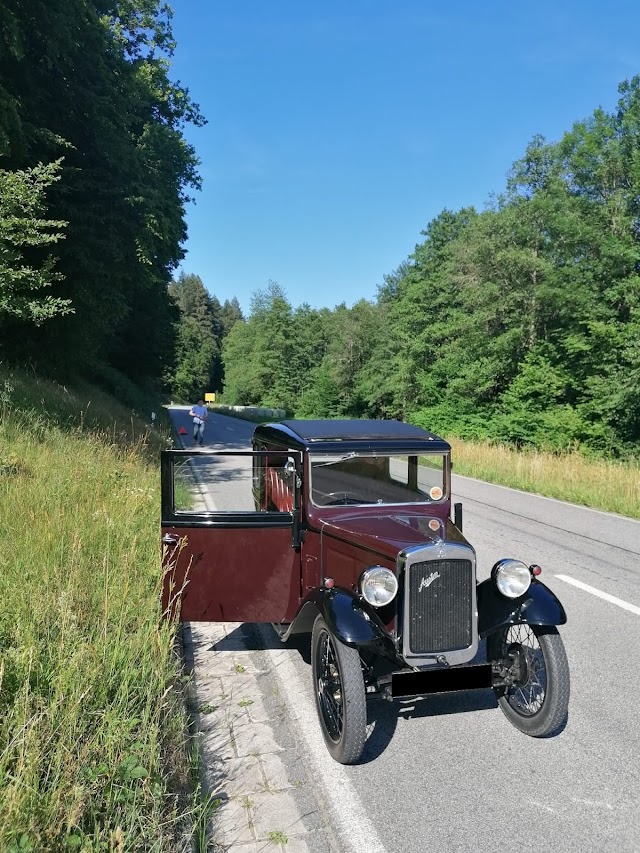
point(227, 554)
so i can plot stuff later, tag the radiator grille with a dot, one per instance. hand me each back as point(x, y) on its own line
point(440, 604)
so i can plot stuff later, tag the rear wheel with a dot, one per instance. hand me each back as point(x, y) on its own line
point(536, 697)
point(340, 694)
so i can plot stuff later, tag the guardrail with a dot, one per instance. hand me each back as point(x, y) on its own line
point(250, 413)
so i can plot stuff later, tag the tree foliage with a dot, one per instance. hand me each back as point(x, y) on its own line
point(201, 325)
point(27, 266)
point(85, 84)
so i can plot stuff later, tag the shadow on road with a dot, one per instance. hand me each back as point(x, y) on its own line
point(382, 716)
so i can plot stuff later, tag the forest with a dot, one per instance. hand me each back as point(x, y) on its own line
point(95, 174)
point(517, 323)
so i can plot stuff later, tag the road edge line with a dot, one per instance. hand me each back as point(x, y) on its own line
point(348, 814)
point(612, 599)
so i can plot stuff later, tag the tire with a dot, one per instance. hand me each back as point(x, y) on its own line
point(340, 694)
point(538, 703)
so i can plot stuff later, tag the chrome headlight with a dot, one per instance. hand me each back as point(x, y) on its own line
point(378, 586)
point(512, 577)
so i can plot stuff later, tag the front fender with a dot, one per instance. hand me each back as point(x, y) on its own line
point(350, 619)
point(538, 606)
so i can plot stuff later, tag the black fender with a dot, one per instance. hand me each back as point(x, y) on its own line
point(538, 606)
point(350, 619)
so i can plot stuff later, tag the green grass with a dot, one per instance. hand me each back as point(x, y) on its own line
point(610, 485)
point(93, 744)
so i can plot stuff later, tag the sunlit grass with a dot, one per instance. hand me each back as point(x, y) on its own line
point(92, 731)
point(608, 485)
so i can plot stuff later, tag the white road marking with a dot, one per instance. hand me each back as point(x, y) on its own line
point(632, 608)
point(348, 814)
point(542, 806)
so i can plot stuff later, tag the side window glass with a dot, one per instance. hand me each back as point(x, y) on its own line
point(238, 482)
point(213, 484)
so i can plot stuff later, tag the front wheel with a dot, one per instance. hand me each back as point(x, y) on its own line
point(536, 696)
point(340, 694)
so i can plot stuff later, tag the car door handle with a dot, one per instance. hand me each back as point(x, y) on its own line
point(170, 539)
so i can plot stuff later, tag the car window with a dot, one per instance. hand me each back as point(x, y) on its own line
point(377, 479)
point(238, 482)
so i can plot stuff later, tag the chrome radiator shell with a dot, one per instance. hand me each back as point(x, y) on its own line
point(437, 605)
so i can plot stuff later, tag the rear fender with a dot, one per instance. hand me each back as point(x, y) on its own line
point(350, 619)
point(538, 606)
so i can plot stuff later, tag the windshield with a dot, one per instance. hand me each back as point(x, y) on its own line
point(377, 479)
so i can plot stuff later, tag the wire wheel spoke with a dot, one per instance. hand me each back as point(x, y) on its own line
point(534, 686)
point(330, 688)
point(527, 695)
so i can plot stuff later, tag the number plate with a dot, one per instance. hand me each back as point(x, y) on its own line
point(441, 680)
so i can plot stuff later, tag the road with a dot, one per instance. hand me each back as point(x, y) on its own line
point(450, 773)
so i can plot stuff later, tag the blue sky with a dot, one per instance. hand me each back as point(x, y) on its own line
point(338, 130)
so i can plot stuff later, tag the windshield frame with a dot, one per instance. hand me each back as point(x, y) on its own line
point(314, 463)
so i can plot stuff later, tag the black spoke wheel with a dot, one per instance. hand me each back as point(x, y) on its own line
point(536, 696)
point(340, 694)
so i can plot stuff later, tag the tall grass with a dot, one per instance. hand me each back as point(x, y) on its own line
point(609, 485)
point(92, 752)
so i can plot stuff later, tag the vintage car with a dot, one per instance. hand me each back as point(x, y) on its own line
point(344, 529)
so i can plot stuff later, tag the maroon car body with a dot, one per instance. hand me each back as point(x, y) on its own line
point(344, 529)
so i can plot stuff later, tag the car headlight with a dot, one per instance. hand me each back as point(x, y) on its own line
point(378, 586)
point(512, 577)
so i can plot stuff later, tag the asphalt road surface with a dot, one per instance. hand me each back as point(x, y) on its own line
point(450, 773)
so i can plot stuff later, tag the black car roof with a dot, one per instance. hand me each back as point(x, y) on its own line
point(340, 435)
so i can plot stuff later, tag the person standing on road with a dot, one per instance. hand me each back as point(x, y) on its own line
point(200, 415)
